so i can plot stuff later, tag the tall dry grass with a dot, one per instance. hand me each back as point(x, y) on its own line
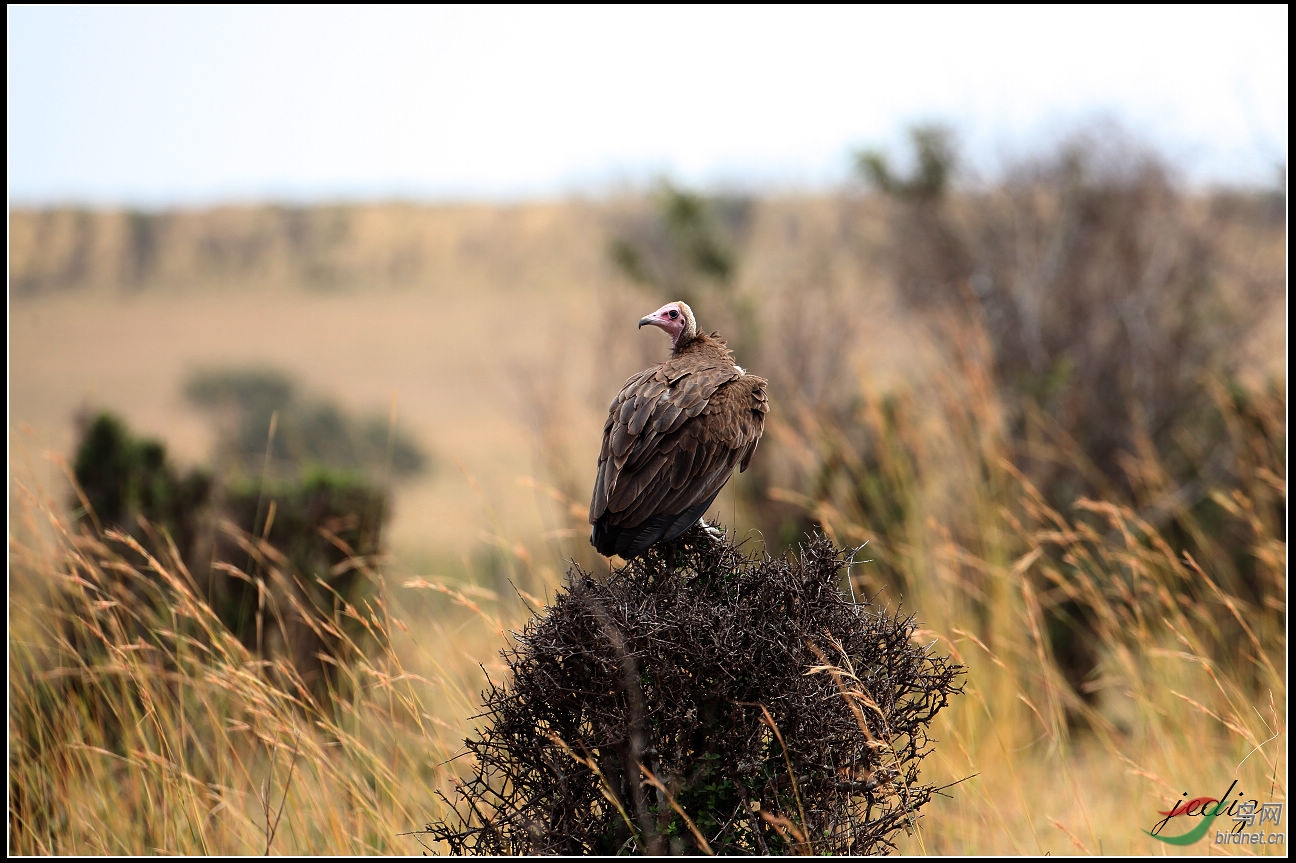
point(139, 724)
point(1188, 693)
point(142, 727)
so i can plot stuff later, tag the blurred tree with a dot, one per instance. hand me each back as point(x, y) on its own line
point(930, 253)
point(247, 402)
point(325, 529)
point(936, 157)
point(687, 249)
point(1103, 305)
point(125, 480)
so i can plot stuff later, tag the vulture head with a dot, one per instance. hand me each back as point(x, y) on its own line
point(676, 319)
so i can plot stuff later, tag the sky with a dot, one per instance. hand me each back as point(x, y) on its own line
point(190, 106)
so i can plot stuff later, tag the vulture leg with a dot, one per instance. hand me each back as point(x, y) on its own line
point(715, 534)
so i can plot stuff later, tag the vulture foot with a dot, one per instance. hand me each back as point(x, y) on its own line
point(715, 534)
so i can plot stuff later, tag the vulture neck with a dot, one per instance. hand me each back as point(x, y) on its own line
point(703, 344)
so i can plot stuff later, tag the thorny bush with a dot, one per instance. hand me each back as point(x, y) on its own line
point(697, 700)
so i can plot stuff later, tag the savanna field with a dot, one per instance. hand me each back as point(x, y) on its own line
point(1049, 412)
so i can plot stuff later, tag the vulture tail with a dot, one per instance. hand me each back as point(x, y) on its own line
point(628, 542)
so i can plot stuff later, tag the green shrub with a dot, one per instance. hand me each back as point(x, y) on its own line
point(284, 565)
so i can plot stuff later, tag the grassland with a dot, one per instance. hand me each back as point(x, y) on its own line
point(498, 335)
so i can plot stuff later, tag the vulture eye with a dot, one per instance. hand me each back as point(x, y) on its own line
point(674, 314)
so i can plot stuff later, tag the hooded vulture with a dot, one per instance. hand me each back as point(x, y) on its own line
point(673, 436)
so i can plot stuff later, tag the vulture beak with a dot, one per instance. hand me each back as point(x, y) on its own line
point(658, 318)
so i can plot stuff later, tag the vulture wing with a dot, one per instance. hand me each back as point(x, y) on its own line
point(672, 438)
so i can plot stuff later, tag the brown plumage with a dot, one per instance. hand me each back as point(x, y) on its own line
point(673, 436)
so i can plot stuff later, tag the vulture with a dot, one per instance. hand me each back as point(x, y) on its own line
point(673, 436)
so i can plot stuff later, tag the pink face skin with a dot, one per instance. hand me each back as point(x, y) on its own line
point(670, 318)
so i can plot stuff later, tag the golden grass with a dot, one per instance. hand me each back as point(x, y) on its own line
point(213, 757)
point(206, 755)
point(134, 733)
point(1169, 716)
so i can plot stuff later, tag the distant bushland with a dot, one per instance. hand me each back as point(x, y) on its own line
point(264, 427)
